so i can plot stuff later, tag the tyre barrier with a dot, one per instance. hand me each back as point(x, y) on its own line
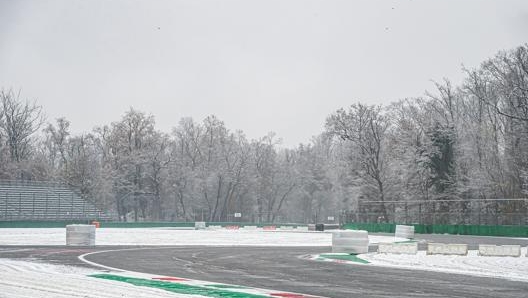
point(232, 227)
point(447, 249)
point(269, 228)
point(80, 235)
point(319, 227)
point(199, 225)
point(350, 241)
point(311, 227)
point(404, 232)
point(499, 250)
point(398, 248)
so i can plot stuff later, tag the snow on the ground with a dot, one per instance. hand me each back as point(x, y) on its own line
point(499, 267)
point(22, 279)
point(160, 236)
point(375, 239)
point(33, 279)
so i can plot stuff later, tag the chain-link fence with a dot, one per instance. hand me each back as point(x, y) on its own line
point(448, 212)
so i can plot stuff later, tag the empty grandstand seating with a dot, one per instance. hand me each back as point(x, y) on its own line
point(34, 200)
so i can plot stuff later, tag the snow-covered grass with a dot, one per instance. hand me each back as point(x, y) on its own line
point(513, 268)
point(31, 279)
point(161, 236)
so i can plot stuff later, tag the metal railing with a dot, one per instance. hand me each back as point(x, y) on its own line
point(33, 206)
point(40, 200)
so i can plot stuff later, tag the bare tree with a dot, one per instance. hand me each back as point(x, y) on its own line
point(159, 160)
point(19, 122)
point(365, 126)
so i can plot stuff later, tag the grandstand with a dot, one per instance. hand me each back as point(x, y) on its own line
point(37, 200)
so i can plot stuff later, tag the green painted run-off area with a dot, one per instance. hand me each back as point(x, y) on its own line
point(216, 292)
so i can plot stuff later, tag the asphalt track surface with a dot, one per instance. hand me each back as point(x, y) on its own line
point(281, 268)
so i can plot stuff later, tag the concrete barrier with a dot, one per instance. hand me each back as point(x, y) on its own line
point(350, 241)
point(398, 248)
point(80, 235)
point(286, 228)
point(301, 228)
point(214, 227)
point(499, 250)
point(447, 249)
point(404, 231)
point(199, 225)
point(250, 228)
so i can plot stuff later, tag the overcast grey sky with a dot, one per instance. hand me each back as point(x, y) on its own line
point(259, 66)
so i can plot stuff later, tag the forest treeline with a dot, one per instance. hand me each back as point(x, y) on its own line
point(456, 144)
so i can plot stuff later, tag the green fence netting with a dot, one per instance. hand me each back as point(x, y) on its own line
point(477, 230)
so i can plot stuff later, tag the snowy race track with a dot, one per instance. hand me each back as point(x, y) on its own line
point(238, 252)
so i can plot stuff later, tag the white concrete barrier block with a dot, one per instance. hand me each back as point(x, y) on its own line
point(214, 227)
point(80, 235)
point(398, 248)
point(499, 250)
point(199, 225)
point(302, 228)
point(350, 241)
point(404, 231)
point(286, 228)
point(447, 249)
point(250, 228)
point(361, 234)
